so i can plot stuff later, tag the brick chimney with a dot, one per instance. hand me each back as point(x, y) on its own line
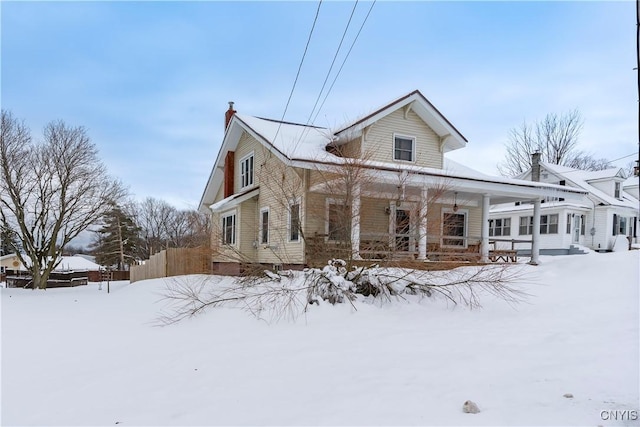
point(535, 166)
point(228, 114)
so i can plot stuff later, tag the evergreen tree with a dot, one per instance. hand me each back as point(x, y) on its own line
point(117, 241)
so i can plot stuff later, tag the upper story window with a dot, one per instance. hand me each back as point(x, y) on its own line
point(617, 191)
point(404, 148)
point(246, 171)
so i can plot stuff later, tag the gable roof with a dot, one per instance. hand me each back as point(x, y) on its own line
point(305, 146)
point(418, 103)
point(583, 179)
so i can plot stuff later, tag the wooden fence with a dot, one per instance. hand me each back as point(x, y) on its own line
point(173, 262)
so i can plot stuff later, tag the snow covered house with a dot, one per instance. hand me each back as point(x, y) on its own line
point(609, 213)
point(284, 194)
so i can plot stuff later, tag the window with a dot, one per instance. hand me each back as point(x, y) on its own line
point(582, 225)
point(264, 226)
point(549, 224)
point(294, 221)
point(617, 191)
point(339, 221)
point(569, 216)
point(229, 229)
point(246, 171)
point(403, 148)
point(453, 228)
point(622, 225)
point(526, 225)
point(500, 227)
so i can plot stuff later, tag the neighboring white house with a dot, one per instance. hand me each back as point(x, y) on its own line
point(275, 197)
point(611, 210)
point(67, 263)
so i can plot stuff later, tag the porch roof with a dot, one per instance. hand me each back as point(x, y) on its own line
point(455, 177)
point(234, 200)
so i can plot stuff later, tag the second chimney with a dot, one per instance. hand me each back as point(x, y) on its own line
point(535, 166)
point(228, 114)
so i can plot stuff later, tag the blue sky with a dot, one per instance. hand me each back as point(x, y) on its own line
point(151, 80)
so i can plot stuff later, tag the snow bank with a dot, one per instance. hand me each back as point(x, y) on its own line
point(80, 356)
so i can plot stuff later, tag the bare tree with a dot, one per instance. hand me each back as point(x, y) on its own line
point(152, 217)
point(50, 191)
point(556, 137)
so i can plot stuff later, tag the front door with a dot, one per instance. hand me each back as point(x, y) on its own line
point(576, 229)
point(403, 229)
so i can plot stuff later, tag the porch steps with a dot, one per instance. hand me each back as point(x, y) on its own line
point(578, 250)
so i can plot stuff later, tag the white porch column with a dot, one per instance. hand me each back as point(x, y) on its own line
point(484, 230)
point(355, 221)
point(535, 234)
point(422, 226)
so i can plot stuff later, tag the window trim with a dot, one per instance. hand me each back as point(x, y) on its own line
point(546, 226)
point(529, 226)
point(262, 227)
point(465, 229)
point(292, 202)
point(234, 236)
point(503, 227)
point(413, 148)
point(250, 177)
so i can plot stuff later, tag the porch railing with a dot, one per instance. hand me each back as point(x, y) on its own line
point(384, 246)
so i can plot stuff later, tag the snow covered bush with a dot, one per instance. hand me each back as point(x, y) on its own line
point(273, 296)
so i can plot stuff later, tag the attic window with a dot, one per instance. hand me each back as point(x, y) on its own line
point(617, 191)
point(404, 148)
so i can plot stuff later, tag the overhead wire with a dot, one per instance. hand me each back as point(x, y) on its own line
point(344, 61)
point(309, 120)
point(304, 54)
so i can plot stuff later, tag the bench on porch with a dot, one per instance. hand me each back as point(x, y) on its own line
point(504, 255)
point(471, 253)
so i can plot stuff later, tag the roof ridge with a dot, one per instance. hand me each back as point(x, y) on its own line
point(288, 123)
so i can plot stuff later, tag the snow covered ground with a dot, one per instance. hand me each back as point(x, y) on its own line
point(81, 356)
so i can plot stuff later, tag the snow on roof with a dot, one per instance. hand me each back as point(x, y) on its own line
point(632, 181)
point(581, 179)
point(294, 140)
point(76, 263)
point(307, 143)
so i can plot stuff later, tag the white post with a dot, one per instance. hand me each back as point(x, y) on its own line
point(535, 234)
point(355, 221)
point(484, 230)
point(422, 226)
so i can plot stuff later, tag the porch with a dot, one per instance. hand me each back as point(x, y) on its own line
point(416, 215)
point(388, 248)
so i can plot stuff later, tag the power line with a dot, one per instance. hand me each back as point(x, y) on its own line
point(335, 56)
point(344, 61)
point(306, 130)
point(624, 157)
point(315, 19)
